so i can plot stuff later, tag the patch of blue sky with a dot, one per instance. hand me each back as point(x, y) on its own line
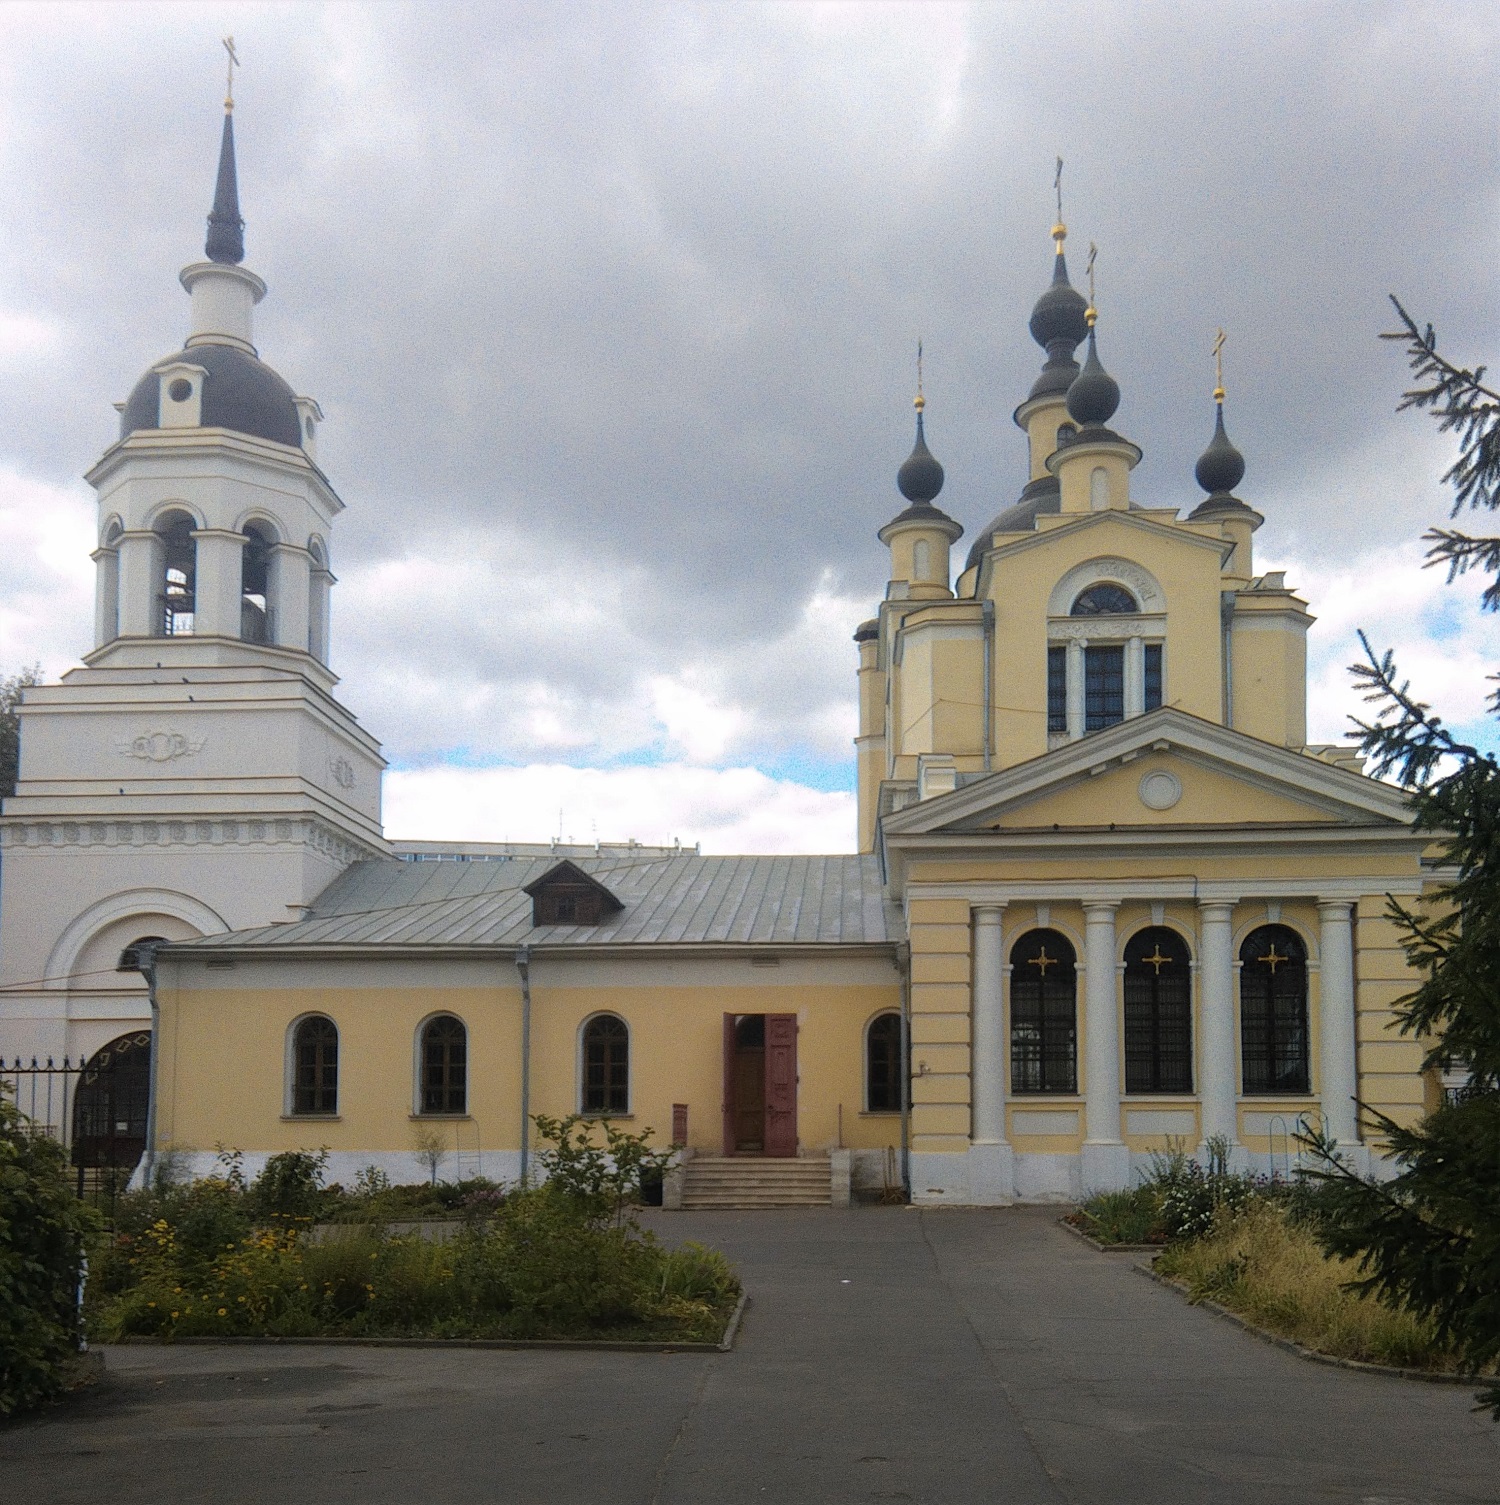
point(1448, 617)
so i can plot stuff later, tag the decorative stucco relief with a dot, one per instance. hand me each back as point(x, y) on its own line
point(159, 746)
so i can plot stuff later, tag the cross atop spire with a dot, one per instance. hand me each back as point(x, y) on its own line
point(229, 86)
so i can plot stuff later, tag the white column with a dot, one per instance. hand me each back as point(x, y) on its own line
point(290, 595)
point(1106, 1161)
point(1075, 688)
point(217, 582)
point(140, 583)
point(106, 596)
point(1135, 676)
point(1218, 1084)
point(991, 1164)
point(1339, 1077)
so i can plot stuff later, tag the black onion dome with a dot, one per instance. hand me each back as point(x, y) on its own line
point(1060, 311)
point(920, 477)
point(1058, 324)
point(226, 230)
point(239, 393)
point(1095, 394)
point(1221, 467)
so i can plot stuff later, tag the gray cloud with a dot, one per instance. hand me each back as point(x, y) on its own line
point(612, 308)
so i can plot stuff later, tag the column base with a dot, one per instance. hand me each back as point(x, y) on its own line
point(992, 1174)
point(1105, 1166)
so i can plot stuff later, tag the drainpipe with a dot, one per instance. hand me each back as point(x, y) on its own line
point(523, 966)
point(1226, 620)
point(146, 958)
point(989, 680)
point(903, 965)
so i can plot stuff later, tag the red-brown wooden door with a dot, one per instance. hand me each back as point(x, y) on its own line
point(781, 1085)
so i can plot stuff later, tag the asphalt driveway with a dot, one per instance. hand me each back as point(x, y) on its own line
point(888, 1354)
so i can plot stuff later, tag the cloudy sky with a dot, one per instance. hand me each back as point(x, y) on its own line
point(612, 312)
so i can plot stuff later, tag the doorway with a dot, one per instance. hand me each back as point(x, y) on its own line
point(760, 1084)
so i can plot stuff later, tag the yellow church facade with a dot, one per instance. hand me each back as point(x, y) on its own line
point(1106, 900)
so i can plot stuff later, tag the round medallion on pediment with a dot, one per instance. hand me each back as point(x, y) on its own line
point(1160, 790)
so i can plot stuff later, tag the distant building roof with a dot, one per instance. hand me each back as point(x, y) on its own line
point(668, 900)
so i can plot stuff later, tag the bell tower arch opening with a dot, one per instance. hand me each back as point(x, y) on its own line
point(177, 577)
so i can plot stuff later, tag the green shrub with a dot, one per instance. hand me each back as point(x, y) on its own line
point(43, 1228)
point(1125, 1217)
point(290, 1185)
point(602, 1179)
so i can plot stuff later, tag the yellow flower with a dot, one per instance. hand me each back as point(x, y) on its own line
point(150, 1303)
point(223, 1312)
point(174, 1316)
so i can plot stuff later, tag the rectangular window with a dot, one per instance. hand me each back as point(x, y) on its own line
point(1057, 689)
point(1153, 676)
point(1103, 686)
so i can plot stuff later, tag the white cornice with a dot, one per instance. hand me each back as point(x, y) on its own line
point(1077, 522)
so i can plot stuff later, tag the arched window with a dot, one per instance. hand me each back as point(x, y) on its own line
point(107, 585)
point(1043, 1013)
point(1065, 434)
point(317, 600)
point(1158, 1012)
point(921, 559)
point(255, 586)
point(884, 1076)
point(1273, 1010)
point(1099, 489)
point(606, 1065)
point(315, 1066)
point(130, 957)
point(111, 1103)
point(445, 1066)
point(1105, 599)
point(177, 588)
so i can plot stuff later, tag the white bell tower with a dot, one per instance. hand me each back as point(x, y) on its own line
point(197, 774)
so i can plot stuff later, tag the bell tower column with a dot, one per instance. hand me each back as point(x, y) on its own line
point(216, 608)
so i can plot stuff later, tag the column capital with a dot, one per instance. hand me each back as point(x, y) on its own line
point(1333, 909)
point(988, 913)
point(1105, 908)
point(1216, 908)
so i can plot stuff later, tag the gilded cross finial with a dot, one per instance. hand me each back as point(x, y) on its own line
point(1273, 958)
point(1092, 312)
point(921, 401)
point(1059, 230)
point(1219, 367)
point(231, 66)
point(1156, 959)
point(1041, 961)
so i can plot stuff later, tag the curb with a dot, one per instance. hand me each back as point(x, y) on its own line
point(575, 1345)
point(1361, 1366)
point(1094, 1243)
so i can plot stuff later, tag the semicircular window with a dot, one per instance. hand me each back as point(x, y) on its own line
point(1105, 600)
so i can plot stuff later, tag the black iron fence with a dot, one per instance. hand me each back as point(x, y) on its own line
point(95, 1108)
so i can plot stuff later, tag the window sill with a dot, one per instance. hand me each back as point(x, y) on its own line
point(311, 1118)
point(880, 1113)
point(604, 1113)
point(457, 1118)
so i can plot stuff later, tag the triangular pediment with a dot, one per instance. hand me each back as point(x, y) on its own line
point(1165, 770)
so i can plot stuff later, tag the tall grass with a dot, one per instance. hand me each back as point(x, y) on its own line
point(1260, 1263)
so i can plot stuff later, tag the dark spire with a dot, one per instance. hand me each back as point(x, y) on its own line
point(1095, 394)
point(920, 477)
point(1221, 467)
point(226, 230)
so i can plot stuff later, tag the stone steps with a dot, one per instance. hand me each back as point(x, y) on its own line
point(747, 1181)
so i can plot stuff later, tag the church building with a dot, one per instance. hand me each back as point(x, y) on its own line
point(1107, 899)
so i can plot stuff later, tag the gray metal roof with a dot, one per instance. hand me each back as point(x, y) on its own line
point(669, 900)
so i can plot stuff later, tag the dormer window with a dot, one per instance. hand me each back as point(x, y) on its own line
point(566, 895)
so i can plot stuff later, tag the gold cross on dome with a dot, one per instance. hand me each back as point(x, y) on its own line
point(1042, 961)
point(1272, 958)
point(1219, 367)
point(1157, 960)
point(234, 59)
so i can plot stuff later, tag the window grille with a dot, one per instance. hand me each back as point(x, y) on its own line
point(315, 1086)
point(1043, 1014)
point(606, 1065)
point(884, 1077)
point(445, 1066)
point(1103, 686)
point(1158, 1013)
point(1057, 689)
point(1153, 676)
point(1273, 1011)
